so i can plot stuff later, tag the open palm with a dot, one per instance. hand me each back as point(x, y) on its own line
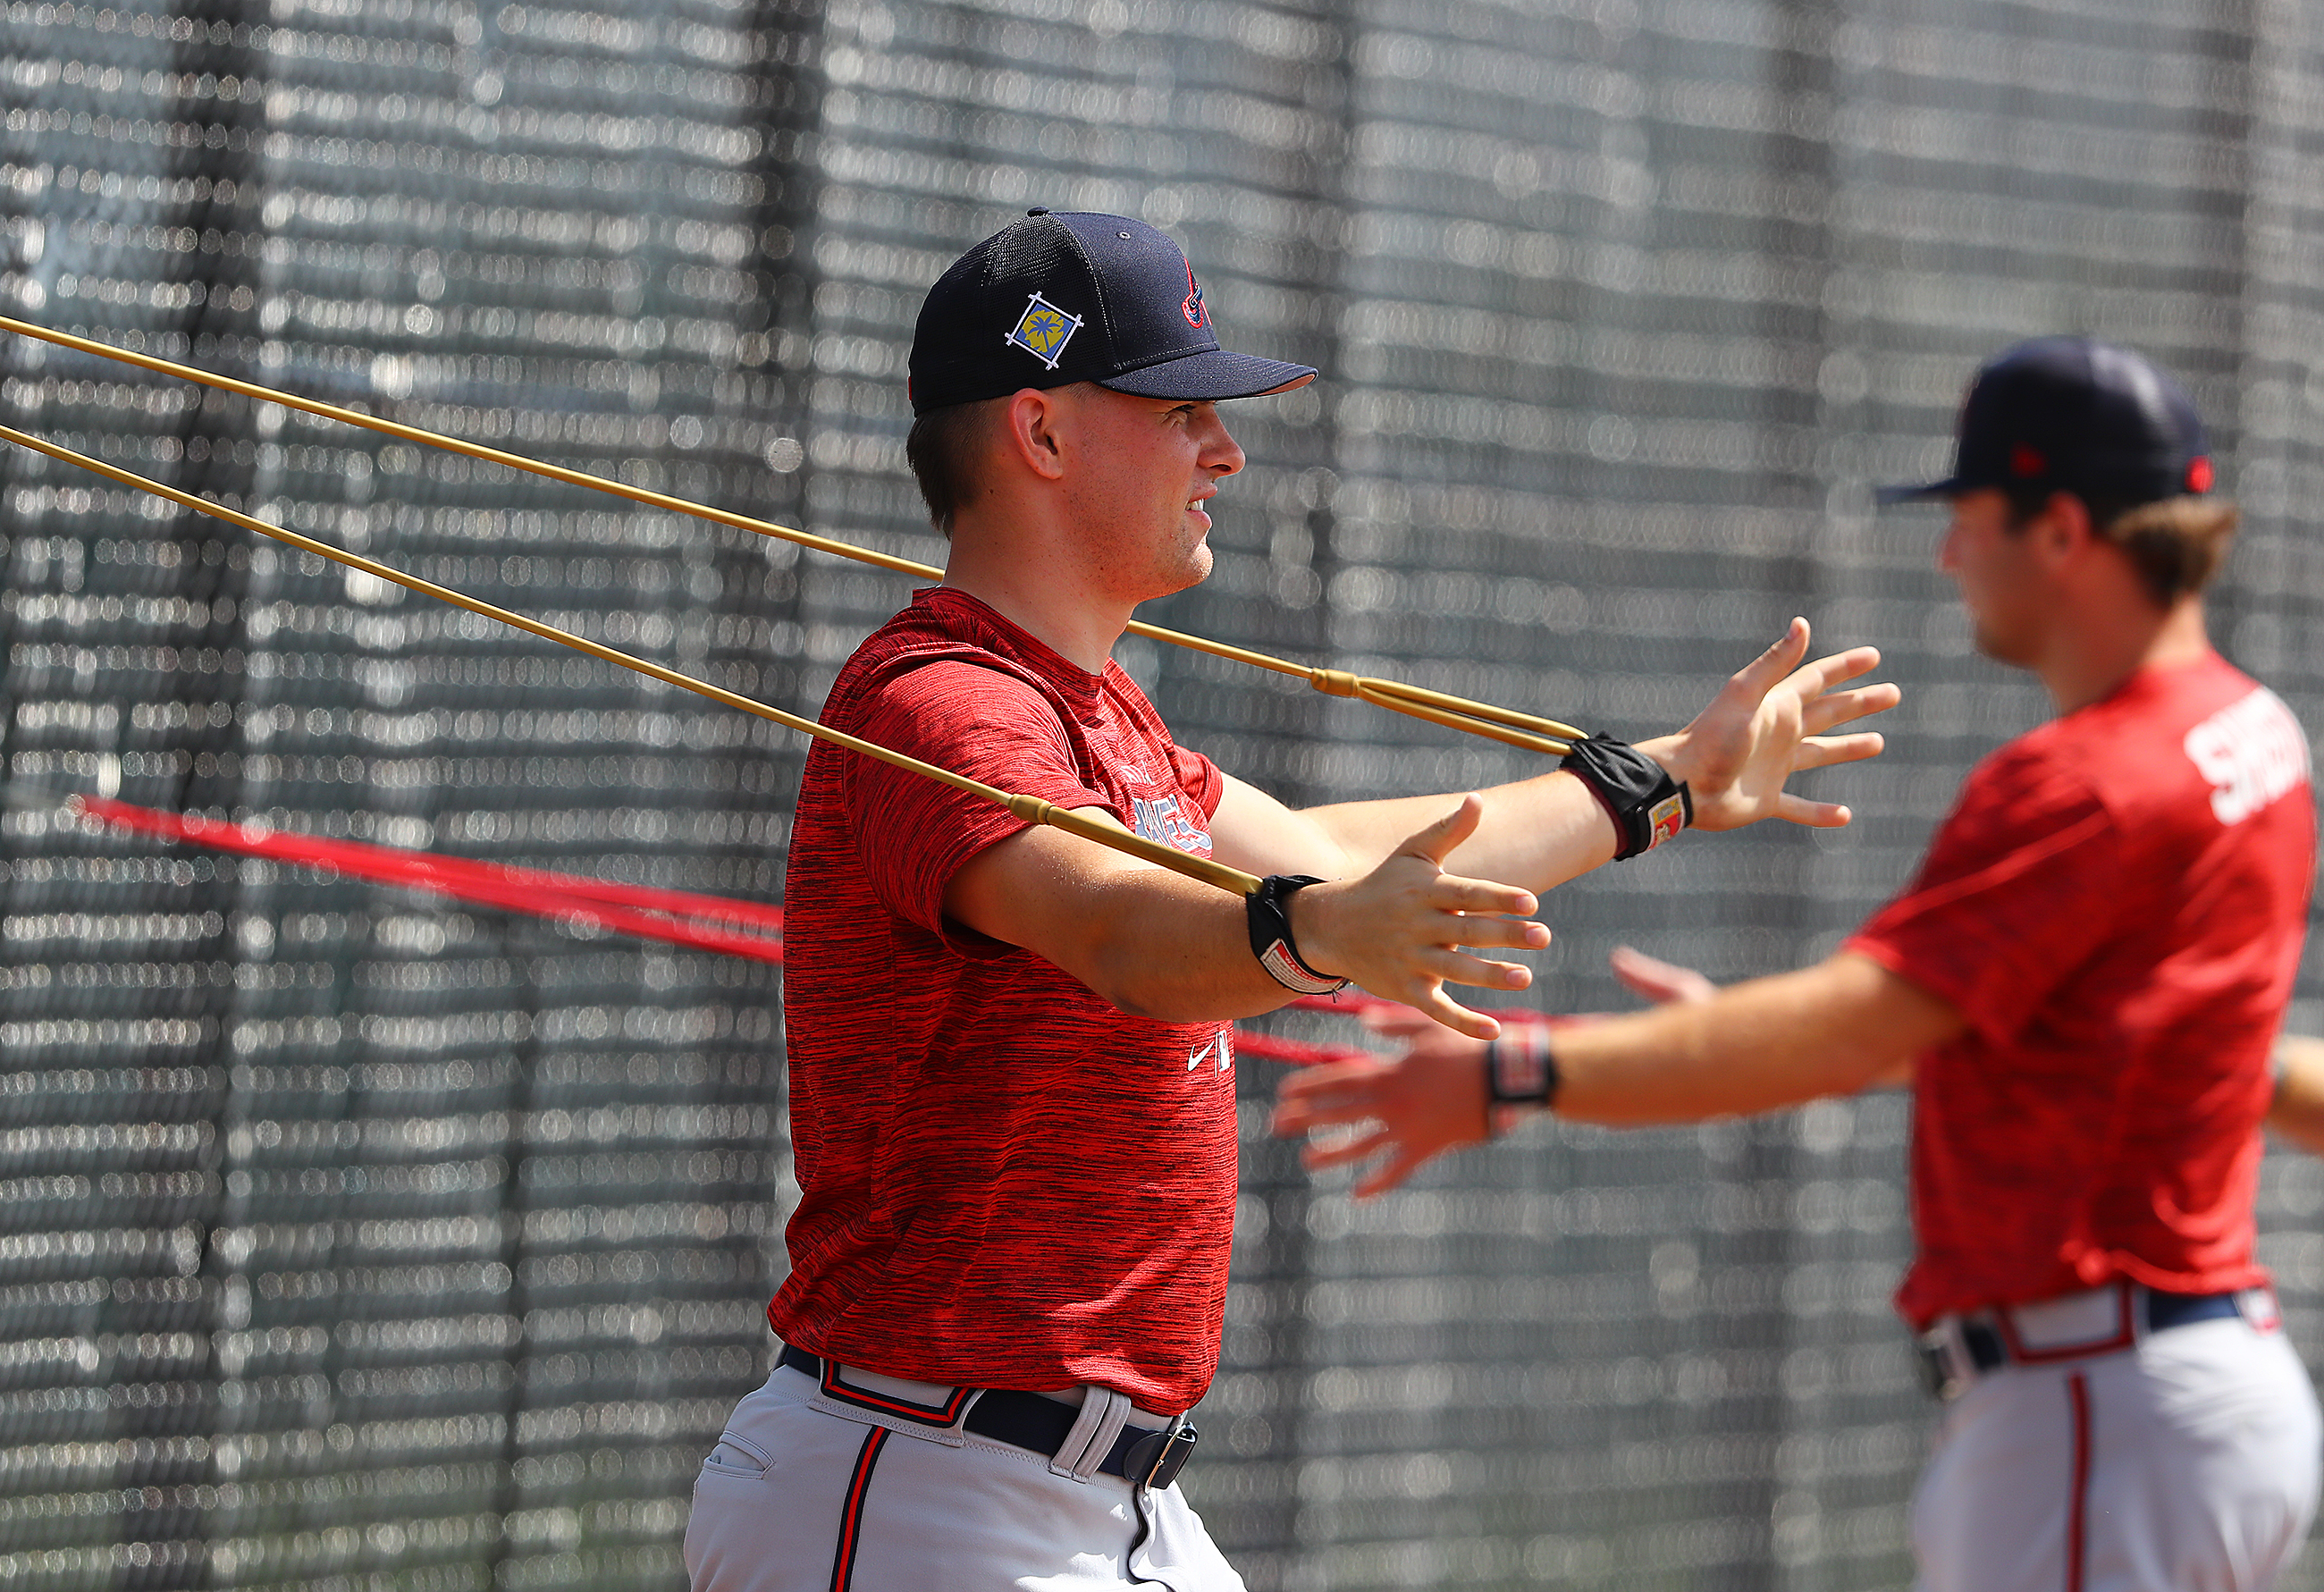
point(1768, 723)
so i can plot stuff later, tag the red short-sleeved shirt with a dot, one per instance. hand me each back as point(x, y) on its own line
point(1005, 1182)
point(2116, 906)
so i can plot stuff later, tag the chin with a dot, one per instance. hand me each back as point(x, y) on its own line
point(1192, 570)
point(1999, 648)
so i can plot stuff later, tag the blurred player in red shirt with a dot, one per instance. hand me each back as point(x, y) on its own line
point(2083, 983)
point(1011, 1063)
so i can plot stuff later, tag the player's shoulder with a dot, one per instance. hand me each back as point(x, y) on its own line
point(945, 648)
point(2039, 770)
point(2159, 749)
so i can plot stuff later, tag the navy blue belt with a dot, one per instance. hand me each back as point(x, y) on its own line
point(1981, 1340)
point(1142, 1454)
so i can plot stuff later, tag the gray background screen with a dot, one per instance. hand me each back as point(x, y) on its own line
point(357, 1240)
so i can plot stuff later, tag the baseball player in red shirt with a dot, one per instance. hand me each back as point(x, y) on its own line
point(1010, 1064)
point(2083, 983)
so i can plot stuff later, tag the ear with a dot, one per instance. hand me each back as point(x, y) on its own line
point(1034, 418)
point(2063, 532)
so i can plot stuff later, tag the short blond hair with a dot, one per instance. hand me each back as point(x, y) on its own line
point(2177, 544)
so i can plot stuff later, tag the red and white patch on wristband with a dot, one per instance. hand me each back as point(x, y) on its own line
point(1293, 974)
point(1664, 820)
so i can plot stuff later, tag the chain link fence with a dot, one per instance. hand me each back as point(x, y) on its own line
point(356, 1240)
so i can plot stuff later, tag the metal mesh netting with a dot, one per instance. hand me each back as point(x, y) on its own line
point(353, 1239)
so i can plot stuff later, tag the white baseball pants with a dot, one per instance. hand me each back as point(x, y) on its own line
point(799, 1496)
point(2188, 1463)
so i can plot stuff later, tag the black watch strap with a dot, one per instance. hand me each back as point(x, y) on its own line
point(1647, 804)
point(1521, 1077)
point(1268, 911)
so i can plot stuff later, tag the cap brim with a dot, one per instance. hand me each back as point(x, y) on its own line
point(1889, 496)
point(1212, 377)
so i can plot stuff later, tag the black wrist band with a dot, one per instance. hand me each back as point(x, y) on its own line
point(1268, 911)
point(1521, 1077)
point(1647, 804)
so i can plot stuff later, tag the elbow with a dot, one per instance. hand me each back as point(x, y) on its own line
point(1153, 999)
point(1137, 985)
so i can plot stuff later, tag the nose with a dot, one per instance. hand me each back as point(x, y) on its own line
point(1220, 453)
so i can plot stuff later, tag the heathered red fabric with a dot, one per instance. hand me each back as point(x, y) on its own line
point(1005, 1182)
point(2116, 906)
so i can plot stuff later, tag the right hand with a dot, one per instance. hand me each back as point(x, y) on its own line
point(1399, 931)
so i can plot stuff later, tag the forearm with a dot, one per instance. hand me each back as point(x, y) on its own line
point(2298, 1109)
point(1536, 833)
point(1148, 940)
point(1156, 944)
point(1177, 951)
point(1830, 1029)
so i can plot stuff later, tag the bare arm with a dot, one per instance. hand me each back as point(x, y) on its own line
point(1833, 1028)
point(1767, 722)
point(1664, 981)
point(1160, 945)
point(2298, 1111)
point(1829, 1029)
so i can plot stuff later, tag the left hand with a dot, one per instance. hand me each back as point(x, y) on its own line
point(1768, 723)
point(1429, 1099)
point(1432, 1097)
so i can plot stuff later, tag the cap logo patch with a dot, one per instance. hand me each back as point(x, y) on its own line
point(1044, 330)
point(1198, 314)
point(2026, 460)
point(2199, 474)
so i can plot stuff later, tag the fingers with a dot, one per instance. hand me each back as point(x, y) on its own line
point(1824, 673)
point(1521, 933)
point(1382, 1178)
point(1456, 1016)
point(1795, 809)
point(1762, 672)
point(1394, 1021)
point(1325, 1094)
point(1478, 972)
point(1436, 841)
point(1481, 897)
point(1320, 1157)
point(1838, 707)
point(1822, 751)
point(1658, 980)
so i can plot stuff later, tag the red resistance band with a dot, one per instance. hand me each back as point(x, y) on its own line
point(716, 923)
point(706, 923)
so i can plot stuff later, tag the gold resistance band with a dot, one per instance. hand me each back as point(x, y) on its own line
point(1032, 809)
point(1503, 724)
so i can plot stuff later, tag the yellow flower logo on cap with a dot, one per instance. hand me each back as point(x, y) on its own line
point(1044, 330)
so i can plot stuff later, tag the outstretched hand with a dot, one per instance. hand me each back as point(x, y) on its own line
point(1415, 1106)
point(1768, 723)
point(1403, 931)
point(1410, 1108)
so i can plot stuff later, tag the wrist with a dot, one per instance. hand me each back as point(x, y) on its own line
point(1275, 940)
point(1675, 753)
point(1521, 1077)
point(1646, 801)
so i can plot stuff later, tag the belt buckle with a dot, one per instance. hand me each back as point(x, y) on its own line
point(1172, 1449)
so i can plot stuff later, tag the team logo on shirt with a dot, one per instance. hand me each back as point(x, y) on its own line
point(1158, 819)
point(2252, 751)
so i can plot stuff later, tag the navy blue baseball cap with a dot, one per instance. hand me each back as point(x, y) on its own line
point(1078, 296)
point(2071, 414)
